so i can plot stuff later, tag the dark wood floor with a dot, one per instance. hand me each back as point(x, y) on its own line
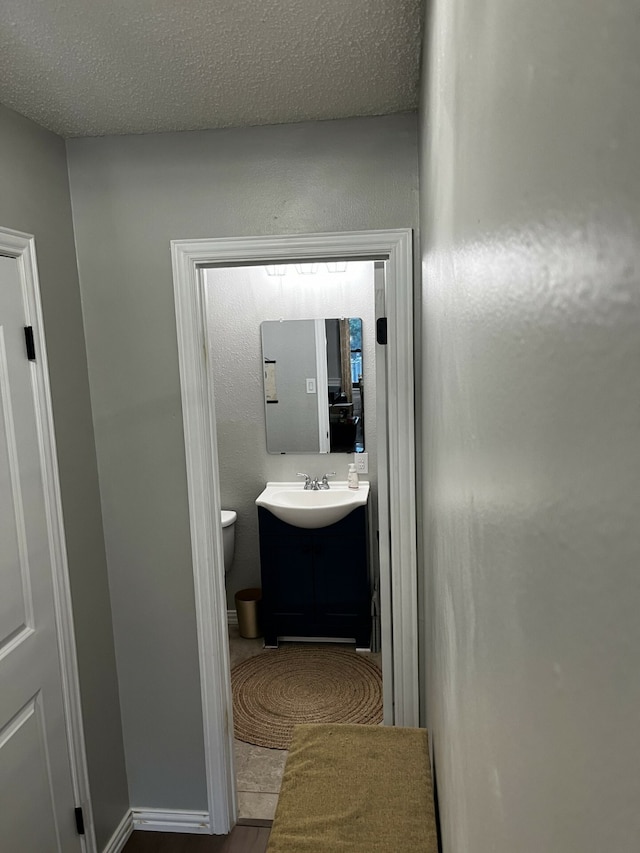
point(243, 839)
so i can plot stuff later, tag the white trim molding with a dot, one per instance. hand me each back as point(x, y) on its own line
point(15, 244)
point(161, 820)
point(157, 820)
point(188, 259)
point(120, 835)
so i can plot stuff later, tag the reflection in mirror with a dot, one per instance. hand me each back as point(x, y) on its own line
point(313, 385)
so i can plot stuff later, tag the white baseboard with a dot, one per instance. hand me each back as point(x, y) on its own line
point(121, 835)
point(232, 617)
point(159, 820)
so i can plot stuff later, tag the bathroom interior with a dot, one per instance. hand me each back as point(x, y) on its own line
point(254, 313)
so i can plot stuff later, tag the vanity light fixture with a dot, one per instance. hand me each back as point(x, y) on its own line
point(277, 269)
point(306, 269)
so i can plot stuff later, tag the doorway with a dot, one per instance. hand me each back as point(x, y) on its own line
point(292, 355)
point(397, 535)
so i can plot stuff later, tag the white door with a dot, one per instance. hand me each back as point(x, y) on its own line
point(36, 791)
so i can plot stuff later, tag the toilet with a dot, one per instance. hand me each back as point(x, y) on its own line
point(228, 518)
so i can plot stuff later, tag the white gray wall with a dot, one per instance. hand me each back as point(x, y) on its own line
point(530, 213)
point(34, 197)
point(238, 300)
point(132, 195)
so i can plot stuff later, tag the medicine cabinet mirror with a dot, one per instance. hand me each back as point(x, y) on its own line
point(313, 385)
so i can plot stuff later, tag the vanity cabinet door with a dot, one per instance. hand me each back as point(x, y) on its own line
point(286, 566)
point(287, 583)
point(341, 580)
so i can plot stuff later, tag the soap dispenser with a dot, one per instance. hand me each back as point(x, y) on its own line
point(352, 477)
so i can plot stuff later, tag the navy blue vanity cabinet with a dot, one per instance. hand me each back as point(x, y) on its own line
point(315, 583)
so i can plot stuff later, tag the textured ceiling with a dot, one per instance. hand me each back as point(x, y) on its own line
point(95, 67)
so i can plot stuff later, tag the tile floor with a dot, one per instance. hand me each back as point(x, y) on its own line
point(258, 769)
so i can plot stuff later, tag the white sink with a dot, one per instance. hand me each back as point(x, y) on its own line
point(301, 507)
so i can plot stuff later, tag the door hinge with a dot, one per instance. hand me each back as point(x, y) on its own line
point(28, 339)
point(79, 821)
point(381, 330)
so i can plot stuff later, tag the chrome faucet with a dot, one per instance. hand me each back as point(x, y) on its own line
point(325, 480)
point(315, 485)
point(308, 482)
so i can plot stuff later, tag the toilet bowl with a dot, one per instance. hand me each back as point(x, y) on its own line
point(228, 518)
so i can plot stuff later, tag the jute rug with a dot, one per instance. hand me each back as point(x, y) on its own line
point(276, 690)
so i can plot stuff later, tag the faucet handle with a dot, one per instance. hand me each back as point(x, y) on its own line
point(325, 478)
point(307, 478)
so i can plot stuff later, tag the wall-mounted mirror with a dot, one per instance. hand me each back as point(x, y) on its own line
point(313, 385)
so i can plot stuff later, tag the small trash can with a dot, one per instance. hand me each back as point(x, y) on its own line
point(247, 605)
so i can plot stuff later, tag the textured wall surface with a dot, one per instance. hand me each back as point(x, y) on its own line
point(89, 69)
point(530, 216)
point(35, 199)
point(237, 302)
point(131, 196)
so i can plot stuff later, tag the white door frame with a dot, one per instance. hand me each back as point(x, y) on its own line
point(15, 244)
point(188, 258)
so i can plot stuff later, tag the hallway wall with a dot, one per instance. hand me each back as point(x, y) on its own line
point(530, 214)
point(35, 198)
point(132, 195)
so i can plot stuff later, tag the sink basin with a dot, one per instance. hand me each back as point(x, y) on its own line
point(290, 502)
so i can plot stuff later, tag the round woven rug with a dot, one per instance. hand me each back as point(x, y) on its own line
point(276, 690)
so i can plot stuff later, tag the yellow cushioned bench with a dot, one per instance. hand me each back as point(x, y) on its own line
point(355, 789)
